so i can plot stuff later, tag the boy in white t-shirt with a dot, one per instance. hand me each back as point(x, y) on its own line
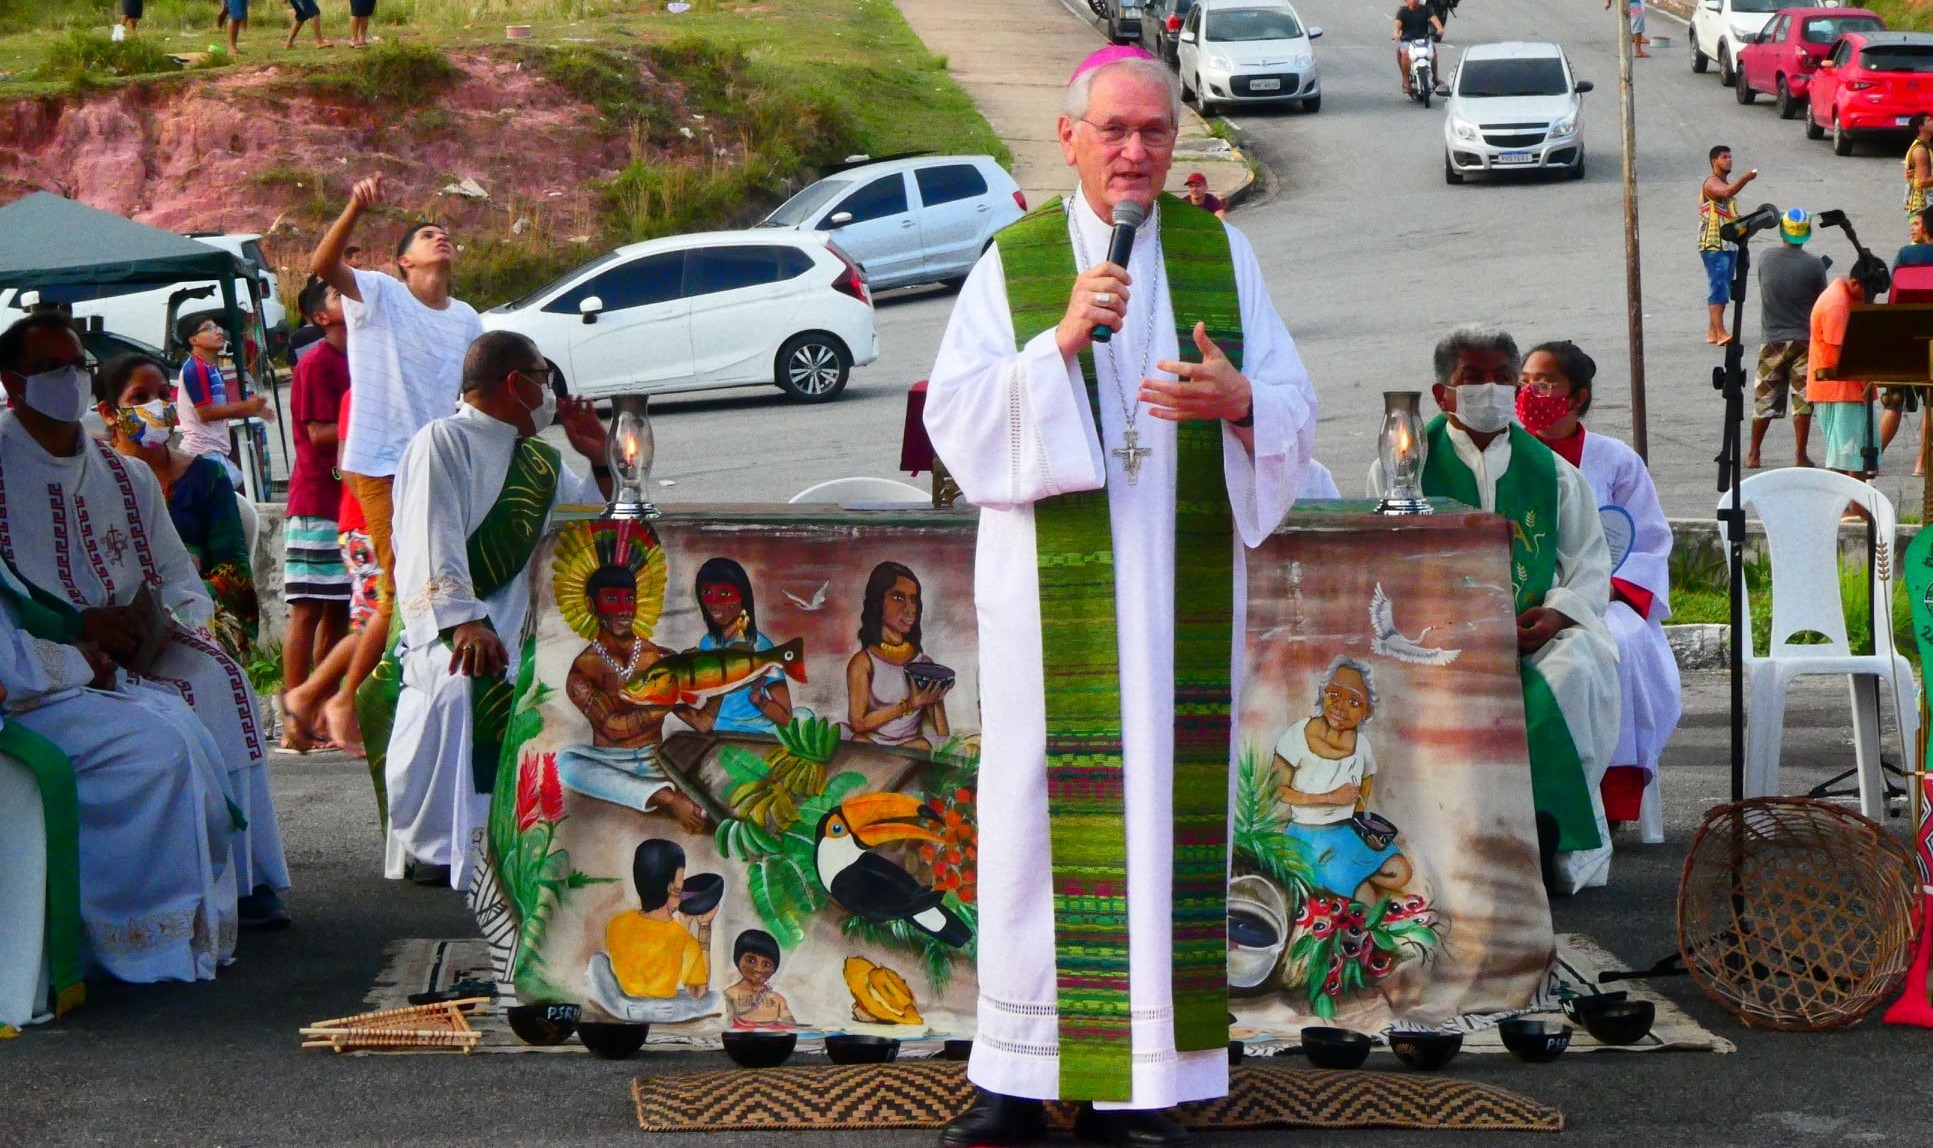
point(407, 338)
point(208, 396)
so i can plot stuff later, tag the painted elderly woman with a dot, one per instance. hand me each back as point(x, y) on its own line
point(1331, 770)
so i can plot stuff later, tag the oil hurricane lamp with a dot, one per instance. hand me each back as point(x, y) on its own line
point(1401, 455)
point(629, 450)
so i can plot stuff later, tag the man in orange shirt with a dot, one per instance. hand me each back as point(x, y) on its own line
point(1839, 405)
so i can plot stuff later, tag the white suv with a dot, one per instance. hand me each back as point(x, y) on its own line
point(919, 220)
point(1719, 28)
point(141, 312)
point(697, 312)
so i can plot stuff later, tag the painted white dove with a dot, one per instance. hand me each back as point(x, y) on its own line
point(1387, 641)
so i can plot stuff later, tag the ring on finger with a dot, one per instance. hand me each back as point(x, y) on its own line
point(1104, 297)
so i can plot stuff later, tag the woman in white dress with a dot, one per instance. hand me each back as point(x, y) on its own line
point(887, 704)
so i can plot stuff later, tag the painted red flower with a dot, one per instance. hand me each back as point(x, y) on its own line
point(1379, 963)
point(529, 801)
point(550, 790)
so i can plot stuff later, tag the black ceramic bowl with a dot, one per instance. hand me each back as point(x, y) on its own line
point(703, 891)
point(930, 674)
point(760, 1049)
point(1376, 830)
point(1626, 1022)
point(956, 1050)
point(1577, 1008)
point(1335, 1047)
point(855, 1049)
point(612, 1040)
point(1535, 1041)
point(542, 1023)
point(1426, 1051)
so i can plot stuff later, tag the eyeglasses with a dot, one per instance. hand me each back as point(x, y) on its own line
point(1117, 135)
point(543, 376)
point(1544, 386)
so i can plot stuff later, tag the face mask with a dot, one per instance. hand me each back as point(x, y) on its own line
point(544, 413)
point(1485, 407)
point(60, 394)
point(1537, 412)
point(150, 423)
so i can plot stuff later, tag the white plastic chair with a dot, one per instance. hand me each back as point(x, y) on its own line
point(23, 897)
point(849, 490)
point(1801, 508)
point(251, 523)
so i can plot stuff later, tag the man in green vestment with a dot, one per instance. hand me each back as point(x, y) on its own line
point(1118, 482)
point(1560, 573)
point(474, 494)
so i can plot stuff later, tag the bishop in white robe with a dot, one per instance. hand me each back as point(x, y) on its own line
point(84, 525)
point(156, 887)
point(451, 476)
point(1016, 428)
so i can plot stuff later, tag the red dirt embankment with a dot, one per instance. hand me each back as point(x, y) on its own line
point(266, 152)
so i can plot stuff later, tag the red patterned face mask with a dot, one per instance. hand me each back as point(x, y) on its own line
point(1538, 412)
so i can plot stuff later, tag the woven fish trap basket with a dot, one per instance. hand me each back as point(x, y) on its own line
point(1796, 914)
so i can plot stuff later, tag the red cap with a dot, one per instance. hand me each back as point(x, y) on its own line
point(1195, 177)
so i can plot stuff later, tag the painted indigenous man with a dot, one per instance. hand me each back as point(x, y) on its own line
point(474, 492)
point(1118, 483)
point(1560, 573)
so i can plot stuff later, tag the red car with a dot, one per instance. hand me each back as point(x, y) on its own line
point(1872, 82)
point(1780, 60)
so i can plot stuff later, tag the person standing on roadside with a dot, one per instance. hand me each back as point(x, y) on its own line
point(1413, 22)
point(305, 12)
point(208, 396)
point(360, 13)
point(1919, 166)
point(1638, 40)
point(407, 338)
point(314, 579)
point(1715, 210)
point(1840, 404)
point(1199, 195)
point(1790, 280)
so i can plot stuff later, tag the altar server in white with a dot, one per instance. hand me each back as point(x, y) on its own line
point(137, 829)
point(82, 526)
point(474, 494)
point(1192, 426)
point(1554, 397)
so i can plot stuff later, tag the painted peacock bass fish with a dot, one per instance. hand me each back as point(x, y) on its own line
point(692, 678)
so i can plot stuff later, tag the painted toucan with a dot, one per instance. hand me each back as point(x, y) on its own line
point(868, 885)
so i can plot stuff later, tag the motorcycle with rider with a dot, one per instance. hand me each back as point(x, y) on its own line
point(1417, 29)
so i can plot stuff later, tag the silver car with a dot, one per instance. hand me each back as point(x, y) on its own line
point(1513, 107)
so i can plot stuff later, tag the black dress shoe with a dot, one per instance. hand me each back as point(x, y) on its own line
point(996, 1121)
point(1130, 1127)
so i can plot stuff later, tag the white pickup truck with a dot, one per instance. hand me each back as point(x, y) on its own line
point(1719, 28)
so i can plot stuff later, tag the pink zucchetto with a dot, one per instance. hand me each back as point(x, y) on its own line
point(1112, 54)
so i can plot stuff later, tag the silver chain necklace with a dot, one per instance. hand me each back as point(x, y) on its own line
point(1131, 452)
point(628, 667)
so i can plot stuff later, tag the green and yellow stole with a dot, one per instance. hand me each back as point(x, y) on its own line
point(498, 550)
point(1527, 499)
point(1086, 791)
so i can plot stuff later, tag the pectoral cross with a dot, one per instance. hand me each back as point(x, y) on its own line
point(1131, 452)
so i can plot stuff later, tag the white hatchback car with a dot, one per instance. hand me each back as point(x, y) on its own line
point(1719, 28)
point(1513, 107)
point(920, 220)
point(704, 311)
point(1248, 52)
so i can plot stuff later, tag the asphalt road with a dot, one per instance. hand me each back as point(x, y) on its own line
point(1360, 215)
point(1371, 257)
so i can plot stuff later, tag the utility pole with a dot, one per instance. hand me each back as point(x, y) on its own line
point(1633, 282)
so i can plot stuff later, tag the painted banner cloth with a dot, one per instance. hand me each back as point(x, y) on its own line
point(740, 771)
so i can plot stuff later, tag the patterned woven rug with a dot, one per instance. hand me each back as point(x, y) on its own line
point(926, 1094)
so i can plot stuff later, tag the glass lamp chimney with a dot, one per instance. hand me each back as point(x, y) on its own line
point(1400, 453)
point(630, 451)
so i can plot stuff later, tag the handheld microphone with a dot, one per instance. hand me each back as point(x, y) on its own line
point(1745, 227)
point(1127, 216)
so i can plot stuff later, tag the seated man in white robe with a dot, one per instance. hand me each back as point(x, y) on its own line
point(474, 494)
point(1561, 577)
point(82, 527)
point(1554, 397)
point(140, 886)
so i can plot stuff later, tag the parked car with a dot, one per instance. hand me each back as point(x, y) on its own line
point(141, 312)
point(1161, 28)
point(1719, 28)
point(919, 220)
point(1781, 59)
point(1248, 52)
point(1124, 20)
point(1513, 107)
point(1872, 82)
point(697, 312)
